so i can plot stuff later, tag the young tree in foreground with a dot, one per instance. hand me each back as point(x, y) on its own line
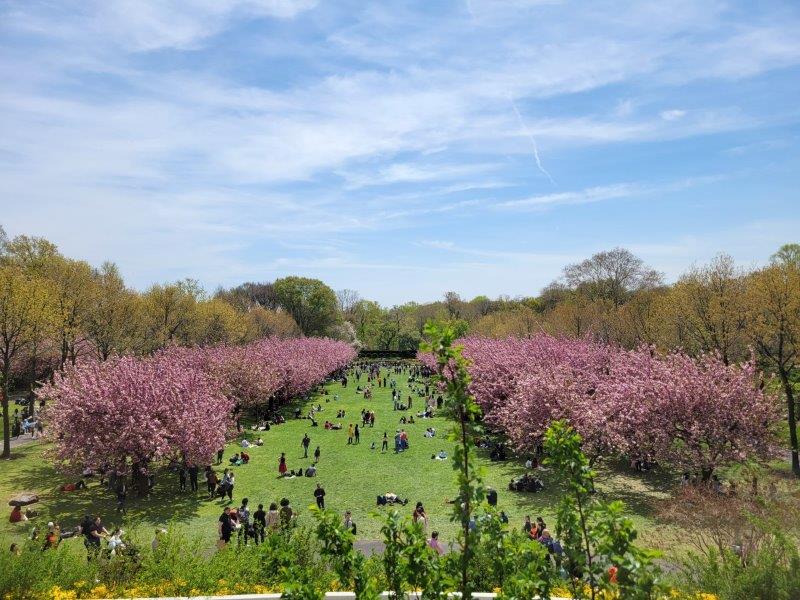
point(600, 557)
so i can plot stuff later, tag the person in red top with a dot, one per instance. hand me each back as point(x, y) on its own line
point(282, 464)
point(612, 574)
point(17, 515)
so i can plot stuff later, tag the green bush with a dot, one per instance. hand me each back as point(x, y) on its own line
point(771, 573)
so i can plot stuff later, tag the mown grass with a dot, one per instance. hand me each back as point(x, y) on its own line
point(352, 476)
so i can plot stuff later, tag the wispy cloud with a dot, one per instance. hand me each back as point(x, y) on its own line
point(201, 137)
point(604, 192)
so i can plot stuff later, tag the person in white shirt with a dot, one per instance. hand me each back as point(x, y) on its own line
point(115, 541)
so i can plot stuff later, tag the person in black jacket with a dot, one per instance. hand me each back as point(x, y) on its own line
point(319, 494)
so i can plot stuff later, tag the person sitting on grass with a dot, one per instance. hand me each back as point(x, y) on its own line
point(390, 498)
point(311, 471)
point(259, 442)
point(17, 515)
point(245, 458)
point(434, 543)
point(245, 443)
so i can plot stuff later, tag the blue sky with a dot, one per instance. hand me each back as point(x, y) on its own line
point(401, 149)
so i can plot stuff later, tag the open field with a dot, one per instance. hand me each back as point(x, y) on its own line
point(352, 476)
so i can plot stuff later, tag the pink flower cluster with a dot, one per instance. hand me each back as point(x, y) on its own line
point(695, 413)
point(178, 403)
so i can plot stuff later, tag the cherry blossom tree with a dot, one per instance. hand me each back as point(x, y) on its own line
point(694, 413)
point(131, 411)
point(176, 405)
point(707, 414)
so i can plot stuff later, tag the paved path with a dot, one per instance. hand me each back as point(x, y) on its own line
point(22, 440)
point(370, 547)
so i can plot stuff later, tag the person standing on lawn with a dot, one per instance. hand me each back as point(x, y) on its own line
point(193, 471)
point(282, 465)
point(305, 443)
point(259, 524)
point(319, 495)
point(316, 455)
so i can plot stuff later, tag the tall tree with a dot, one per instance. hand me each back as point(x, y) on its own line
point(218, 322)
point(773, 303)
point(788, 254)
point(710, 304)
point(312, 303)
point(271, 323)
point(611, 275)
point(347, 300)
point(73, 295)
point(112, 314)
point(170, 312)
point(24, 310)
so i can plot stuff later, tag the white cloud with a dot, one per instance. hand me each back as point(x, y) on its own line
point(163, 125)
point(673, 114)
point(604, 192)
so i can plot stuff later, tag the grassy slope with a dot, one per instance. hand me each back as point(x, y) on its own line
point(352, 476)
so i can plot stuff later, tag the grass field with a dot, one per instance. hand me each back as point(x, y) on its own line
point(352, 476)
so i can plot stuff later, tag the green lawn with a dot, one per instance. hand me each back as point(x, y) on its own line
point(352, 476)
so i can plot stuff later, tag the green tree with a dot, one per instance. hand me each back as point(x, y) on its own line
point(788, 254)
point(773, 313)
point(25, 308)
point(598, 540)
point(312, 303)
point(170, 313)
point(112, 318)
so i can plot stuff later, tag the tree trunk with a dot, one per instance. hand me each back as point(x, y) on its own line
point(32, 395)
point(6, 427)
point(792, 417)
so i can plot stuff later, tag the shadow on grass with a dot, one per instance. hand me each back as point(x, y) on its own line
point(164, 504)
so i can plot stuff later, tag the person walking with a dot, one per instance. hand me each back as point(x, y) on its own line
point(220, 452)
point(305, 443)
point(211, 481)
point(316, 455)
point(319, 495)
point(229, 486)
point(385, 442)
point(225, 527)
point(357, 434)
point(244, 521)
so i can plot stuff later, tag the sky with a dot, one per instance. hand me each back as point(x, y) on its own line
point(400, 149)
